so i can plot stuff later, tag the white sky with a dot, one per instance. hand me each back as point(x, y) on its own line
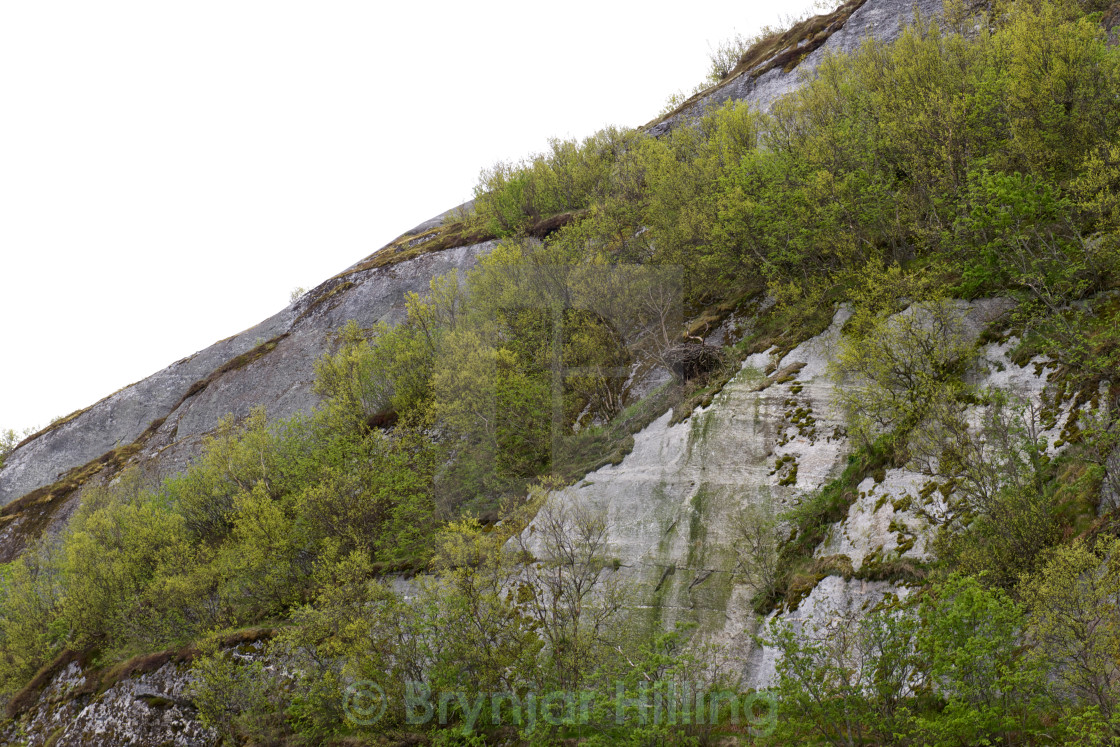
point(169, 172)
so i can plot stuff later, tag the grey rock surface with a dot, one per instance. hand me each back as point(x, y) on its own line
point(671, 502)
point(279, 380)
point(146, 709)
point(883, 20)
point(671, 505)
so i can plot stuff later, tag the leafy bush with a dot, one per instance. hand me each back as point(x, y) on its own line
point(895, 369)
point(831, 683)
point(943, 671)
point(234, 694)
point(30, 623)
point(1007, 512)
point(971, 636)
point(511, 197)
point(1074, 624)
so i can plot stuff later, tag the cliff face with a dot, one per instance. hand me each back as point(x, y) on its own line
point(1111, 23)
point(147, 708)
point(779, 66)
point(772, 436)
point(159, 422)
point(767, 437)
point(776, 439)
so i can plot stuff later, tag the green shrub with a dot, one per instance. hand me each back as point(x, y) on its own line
point(1074, 624)
point(235, 695)
point(31, 627)
point(850, 684)
point(971, 637)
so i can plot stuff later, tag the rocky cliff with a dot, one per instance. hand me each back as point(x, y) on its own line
point(773, 434)
point(777, 66)
point(160, 420)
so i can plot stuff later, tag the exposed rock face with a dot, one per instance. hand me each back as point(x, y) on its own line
point(147, 709)
point(272, 365)
point(770, 79)
point(1111, 24)
point(671, 503)
point(279, 377)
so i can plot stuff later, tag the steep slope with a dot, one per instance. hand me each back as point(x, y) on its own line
point(774, 439)
point(159, 421)
point(776, 66)
point(671, 502)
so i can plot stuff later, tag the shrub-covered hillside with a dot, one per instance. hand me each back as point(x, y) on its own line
point(382, 540)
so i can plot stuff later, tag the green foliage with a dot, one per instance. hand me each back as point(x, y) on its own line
point(355, 629)
point(971, 638)
point(1074, 624)
point(232, 540)
point(498, 406)
point(991, 153)
point(30, 623)
point(8, 441)
point(512, 364)
point(851, 683)
point(725, 56)
point(354, 379)
point(232, 694)
point(234, 459)
point(1019, 226)
point(492, 643)
point(661, 665)
point(1006, 512)
point(895, 368)
point(946, 670)
point(123, 549)
point(511, 197)
point(489, 618)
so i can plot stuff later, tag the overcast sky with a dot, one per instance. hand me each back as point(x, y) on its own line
point(169, 172)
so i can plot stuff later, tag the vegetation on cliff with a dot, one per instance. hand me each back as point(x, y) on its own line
point(973, 160)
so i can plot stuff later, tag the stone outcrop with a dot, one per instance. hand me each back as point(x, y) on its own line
point(146, 709)
point(781, 67)
point(1111, 24)
point(159, 422)
point(772, 434)
point(775, 438)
